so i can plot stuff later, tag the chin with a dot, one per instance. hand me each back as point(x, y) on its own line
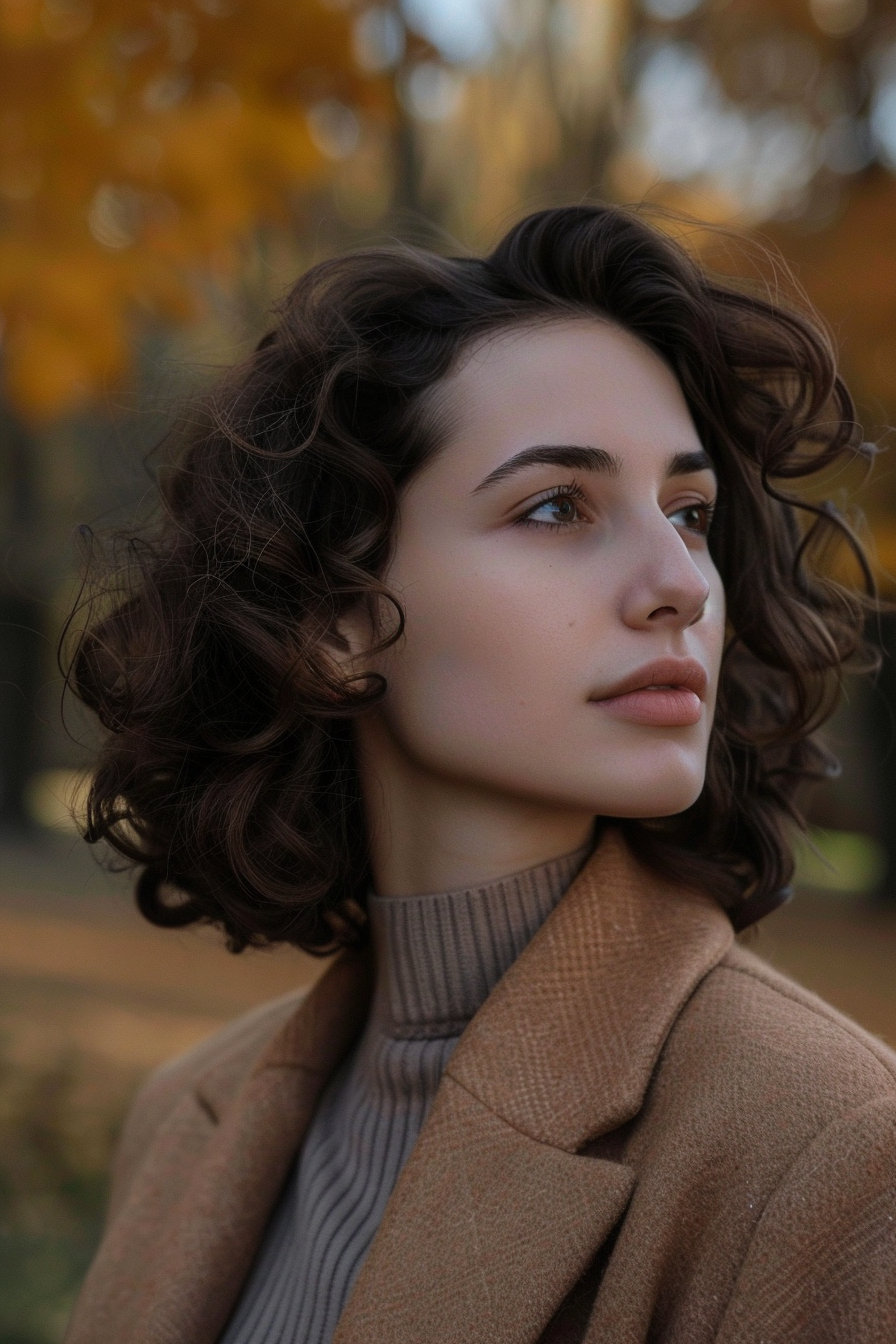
point(654, 797)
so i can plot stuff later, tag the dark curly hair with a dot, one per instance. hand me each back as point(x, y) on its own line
point(227, 770)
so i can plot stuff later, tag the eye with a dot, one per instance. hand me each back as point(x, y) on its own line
point(693, 517)
point(560, 508)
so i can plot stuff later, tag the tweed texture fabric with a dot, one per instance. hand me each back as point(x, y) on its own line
point(438, 956)
point(645, 1134)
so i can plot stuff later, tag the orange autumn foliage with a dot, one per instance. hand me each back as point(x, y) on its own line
point(140, 144)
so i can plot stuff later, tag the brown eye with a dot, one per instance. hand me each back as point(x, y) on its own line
point(555, 511)
point(564, 509)
point(693, 517)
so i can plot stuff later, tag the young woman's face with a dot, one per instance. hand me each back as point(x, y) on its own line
point(565, 620)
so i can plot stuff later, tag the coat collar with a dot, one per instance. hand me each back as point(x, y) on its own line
point(498, 1212)
point(564, 1048)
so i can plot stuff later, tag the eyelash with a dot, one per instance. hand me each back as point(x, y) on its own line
point(571, 491)
point(574, 491)
point(706, 509)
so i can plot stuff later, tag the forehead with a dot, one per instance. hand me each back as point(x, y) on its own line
point(571, 380)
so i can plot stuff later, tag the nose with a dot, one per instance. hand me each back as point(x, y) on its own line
point(667, 588)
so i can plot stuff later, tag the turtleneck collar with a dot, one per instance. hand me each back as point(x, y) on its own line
point(439, 955)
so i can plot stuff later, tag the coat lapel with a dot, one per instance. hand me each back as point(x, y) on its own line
point(486, 1232)
point(499, 1211)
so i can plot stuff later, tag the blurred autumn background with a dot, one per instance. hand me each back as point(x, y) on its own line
point(165, 171)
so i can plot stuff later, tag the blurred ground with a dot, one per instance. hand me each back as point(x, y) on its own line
point(95, 975)
point(91, 997)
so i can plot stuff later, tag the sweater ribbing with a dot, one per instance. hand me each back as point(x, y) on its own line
point(438, 956)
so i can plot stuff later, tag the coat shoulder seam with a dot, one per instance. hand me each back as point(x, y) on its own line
point(850, 1029)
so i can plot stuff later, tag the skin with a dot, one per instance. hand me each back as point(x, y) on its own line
point(492, 749)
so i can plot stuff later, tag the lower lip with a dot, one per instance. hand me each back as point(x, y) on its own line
point(672, 708)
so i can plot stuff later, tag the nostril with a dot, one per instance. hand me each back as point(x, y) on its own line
point(663, 611)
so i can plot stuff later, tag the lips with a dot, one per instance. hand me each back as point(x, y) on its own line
point(667, 693)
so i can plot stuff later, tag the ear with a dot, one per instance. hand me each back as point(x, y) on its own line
point(351, 639)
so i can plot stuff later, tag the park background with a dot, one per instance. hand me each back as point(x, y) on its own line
point(166, 169)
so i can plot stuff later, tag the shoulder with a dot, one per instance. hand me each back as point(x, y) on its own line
point(762, 1045)
point(228, 1054)
point(772, 1116)
point(809, 1104)
point(798, 1025)
point(215, 1069)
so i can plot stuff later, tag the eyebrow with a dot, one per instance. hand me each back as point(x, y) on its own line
point(580, 458)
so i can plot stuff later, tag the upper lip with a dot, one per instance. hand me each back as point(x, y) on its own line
point(682, 673)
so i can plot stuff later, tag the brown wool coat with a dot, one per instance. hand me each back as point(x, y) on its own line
point(645, 1134)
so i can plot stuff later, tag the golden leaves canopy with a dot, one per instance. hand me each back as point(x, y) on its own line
point(139, 145)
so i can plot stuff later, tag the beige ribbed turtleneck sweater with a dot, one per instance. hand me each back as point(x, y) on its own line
point(438, 957)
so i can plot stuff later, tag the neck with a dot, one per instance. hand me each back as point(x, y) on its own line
point(439, 955)
point(432, 834)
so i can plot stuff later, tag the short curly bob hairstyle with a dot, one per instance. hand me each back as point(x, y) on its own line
point(228, 772)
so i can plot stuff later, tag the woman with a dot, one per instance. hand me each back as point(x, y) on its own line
point(478, 641)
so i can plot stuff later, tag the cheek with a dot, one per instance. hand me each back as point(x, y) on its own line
point(481, 658)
